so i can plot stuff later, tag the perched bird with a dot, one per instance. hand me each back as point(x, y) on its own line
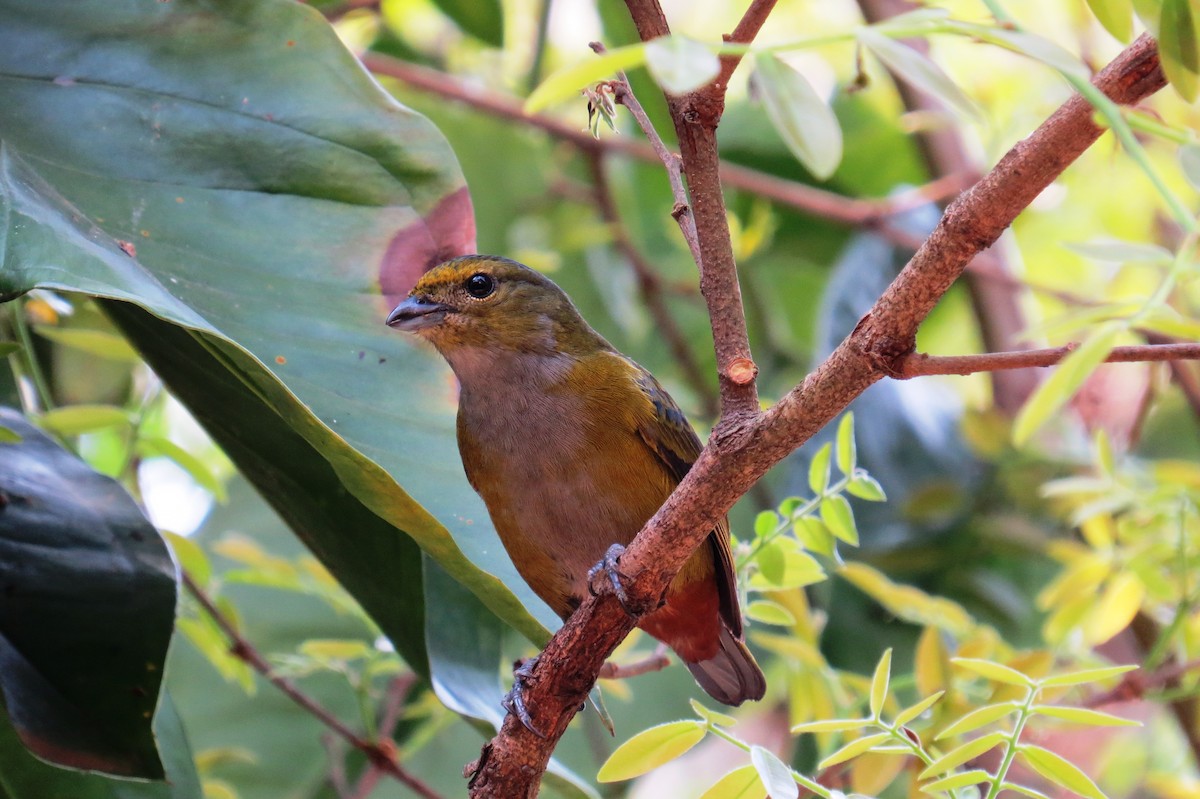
point(573, 447)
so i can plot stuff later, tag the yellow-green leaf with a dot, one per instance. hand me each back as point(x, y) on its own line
point(864, 486)
point(1032, 793)
point(846, 447)
point(1116, 16)
point(853, 749)
point(917, 70)
point(335, 649)
point(814, 535)
point(94, 342)
point(978, 718)
point(1086, 676)
point(913, 711)
point(1060, 771)
point(803, 119)
point(775, 775)
point(770, 613)
point(818, 470)
point(931, 662)
point(1177, 47)
point(568, 82)
point(1082, 715)
point(1051, 395)
point(73, 420)
point(650, 748)
point(711, 715)
point(830, 725)
point(837, 515)
point(993, 671)
point(741, 783)
point(961, 754)
point(954, 781)
point(679, 64)
point(1118, 604)
point(879, 683)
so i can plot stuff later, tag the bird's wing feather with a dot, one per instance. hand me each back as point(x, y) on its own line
point(671, 437)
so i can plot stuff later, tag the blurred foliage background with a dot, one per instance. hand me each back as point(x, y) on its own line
point(1072, 549)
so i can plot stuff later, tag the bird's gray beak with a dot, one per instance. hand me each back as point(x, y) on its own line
point(417, 313)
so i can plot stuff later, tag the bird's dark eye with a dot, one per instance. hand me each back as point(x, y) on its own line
point(480, 285)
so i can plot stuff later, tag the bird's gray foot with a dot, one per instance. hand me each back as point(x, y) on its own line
point(608, 568)
point(514, 700)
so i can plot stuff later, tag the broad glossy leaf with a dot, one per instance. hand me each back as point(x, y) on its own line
point(89, 602)
point(23, 776)
point(280, 204)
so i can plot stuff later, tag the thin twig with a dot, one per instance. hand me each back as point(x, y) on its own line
point(1136, 685)
point(657, 661)
point(623, 94)
point(651, 288)
point(799, 196)
point(380, 754)
point(919, 364)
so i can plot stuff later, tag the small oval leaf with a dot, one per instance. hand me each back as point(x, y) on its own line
point(804, 121)
point(1060, 771)
point(993, 671)
point(978, 718)
point(650, 748)
point(854, 749)
point(959, 755)
point(680, 65)
point(775, 775)
point(741, 783)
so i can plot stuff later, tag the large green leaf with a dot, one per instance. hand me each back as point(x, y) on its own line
point(229, 167)
point(86, 580)
point(23, 776)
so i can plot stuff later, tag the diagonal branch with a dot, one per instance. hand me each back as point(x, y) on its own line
point(919, 365)
point(744, 446)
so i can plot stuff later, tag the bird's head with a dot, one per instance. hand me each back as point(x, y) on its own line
point(484, 302)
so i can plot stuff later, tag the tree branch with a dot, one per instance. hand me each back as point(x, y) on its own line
point(918, 364)
point(381, 755)
point(744, 446)
point(696, 116)
point(804, 198)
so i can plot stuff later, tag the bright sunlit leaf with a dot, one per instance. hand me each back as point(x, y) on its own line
point(650, 748)
point(680, 65)
point(805, 122)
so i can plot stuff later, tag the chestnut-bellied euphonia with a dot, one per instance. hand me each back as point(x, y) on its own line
point(573, 447)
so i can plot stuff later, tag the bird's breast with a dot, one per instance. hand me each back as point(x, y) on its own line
point(562, 479)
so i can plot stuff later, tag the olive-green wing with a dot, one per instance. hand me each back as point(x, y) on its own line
point(672, 439)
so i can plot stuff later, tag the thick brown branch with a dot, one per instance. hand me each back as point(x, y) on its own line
point(742, 448)
point(696, 116)
point(998, 311)
point(381, 756)
point(919, 365)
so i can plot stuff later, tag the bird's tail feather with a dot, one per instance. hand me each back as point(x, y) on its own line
point(731, 676)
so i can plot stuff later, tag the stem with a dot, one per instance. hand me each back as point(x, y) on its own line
point(1010, 750)
point(33, 368)
point(801, 780)
point(380, 756)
